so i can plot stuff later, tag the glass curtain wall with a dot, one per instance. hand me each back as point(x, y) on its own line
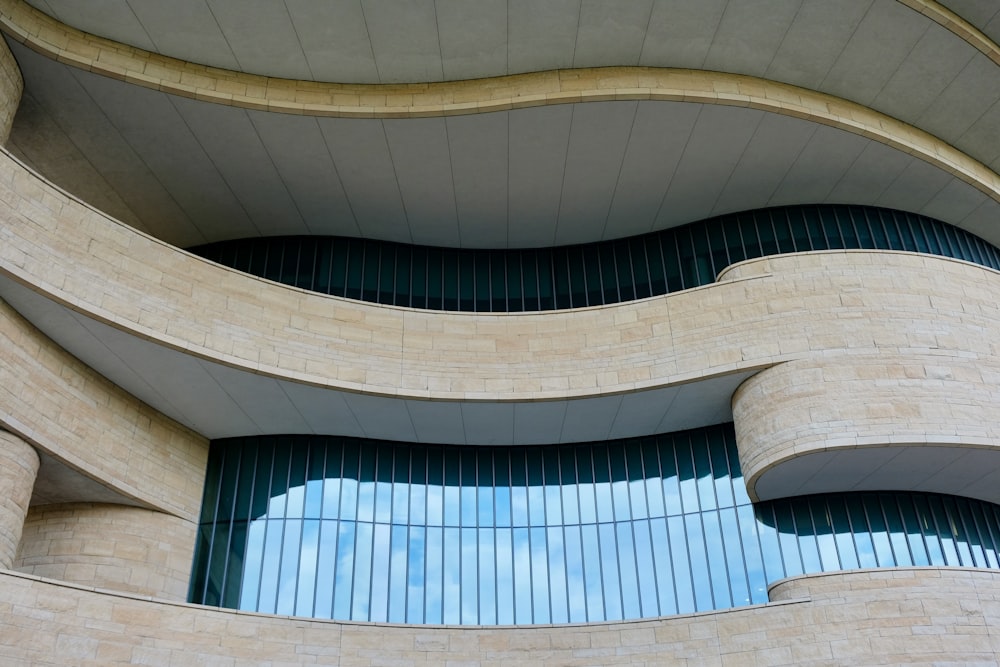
point(354, 529)
point(583, 275)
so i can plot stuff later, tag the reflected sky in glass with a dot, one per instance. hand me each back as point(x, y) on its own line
point(373, 531)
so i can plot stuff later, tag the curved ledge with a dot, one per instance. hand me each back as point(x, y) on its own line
point(887, 582)
point(68, 45)
point(68, 261)
point(70, 412)
point(864, 605)
point(122, 548)
point(885, 421)
point(157, 293)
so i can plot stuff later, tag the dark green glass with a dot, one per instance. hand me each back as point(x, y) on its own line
point(338, 269)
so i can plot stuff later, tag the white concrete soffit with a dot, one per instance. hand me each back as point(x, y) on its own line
point(191, 172)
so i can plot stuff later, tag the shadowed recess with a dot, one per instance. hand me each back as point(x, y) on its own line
point(583, 275)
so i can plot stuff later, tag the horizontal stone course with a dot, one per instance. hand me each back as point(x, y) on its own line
point(69, 411)
point(893, 331)
point(762, 312)
point(866, 617)
point(930, 397)
point(109, 546)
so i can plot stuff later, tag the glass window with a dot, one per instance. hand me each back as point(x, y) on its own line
point(308, 553)
point(625, 280)
point(367, 530)
point(326, 567)
point(451, 597)
point(501, 285)
point(416, 582)
point(663, 564)
point(381, 574)
point(645, 570)
point(577, 282)
point(343, 586)
point(522, 576)
point(631, 607)
point(557, 584)
point(398, 582)
point(505, 576)
point(361, 601)
point(576, 586)
point(487, 577)
point(592, 573)
point(469, 576)
point(434, 575)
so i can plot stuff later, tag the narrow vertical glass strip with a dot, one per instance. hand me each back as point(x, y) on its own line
point(469, 575)
point(487, 576)
point(398, 581)
point(416, 571)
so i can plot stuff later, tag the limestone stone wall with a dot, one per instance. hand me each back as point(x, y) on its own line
point(865, 321)
point(762, 312)
point(69, 411)
point(109, 546)
point(927, 403)
point(11, 87)
point(18, 467)
point(884, 617)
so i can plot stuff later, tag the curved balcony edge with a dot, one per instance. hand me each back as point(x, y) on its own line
point(837, 617)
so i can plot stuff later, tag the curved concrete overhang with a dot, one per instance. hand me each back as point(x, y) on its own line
point(907, 421)
point(454, 41)
point(548, 166)
point(230, 354)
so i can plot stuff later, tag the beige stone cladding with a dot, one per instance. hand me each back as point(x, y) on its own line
point(938, 399)
point(761, 312)
point(70, 412)
point(109, 546)
point(907, 616)
point(11, 87)
point(18, 467)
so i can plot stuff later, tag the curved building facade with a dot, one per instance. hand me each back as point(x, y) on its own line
point(502, 332)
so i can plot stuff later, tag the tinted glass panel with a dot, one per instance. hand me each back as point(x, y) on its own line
point(368, 530)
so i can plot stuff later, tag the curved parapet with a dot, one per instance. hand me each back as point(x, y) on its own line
point(879, 617)
point(82, 420)
point(109, 546)
point(887, 584)
point(872, 421)
point(238, 355)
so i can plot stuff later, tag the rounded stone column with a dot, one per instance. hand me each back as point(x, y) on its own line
point(118, 547)
point(18, 469)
